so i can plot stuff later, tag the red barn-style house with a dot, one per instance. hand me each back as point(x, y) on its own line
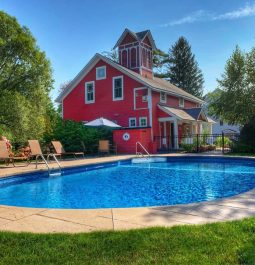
point(148, 109)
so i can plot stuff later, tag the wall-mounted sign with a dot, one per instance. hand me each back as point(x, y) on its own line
point(126, 136)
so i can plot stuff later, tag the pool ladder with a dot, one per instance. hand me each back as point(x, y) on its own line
point(47, 163)
point(140, 154)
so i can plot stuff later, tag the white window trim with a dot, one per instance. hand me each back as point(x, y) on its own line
point(129, 122)
point(140, 119)
point(165, 100)
point(100, 78)
point(86, 98)
point(181, 105)
point(113, 79)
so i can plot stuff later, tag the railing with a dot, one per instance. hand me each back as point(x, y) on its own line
point(140, 154)
point(198, 142)
point(56, 160)
point(47, 162)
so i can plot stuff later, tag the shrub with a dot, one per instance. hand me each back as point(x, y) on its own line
point(240, 147)
point(188, 147)
point(247, 135)
point(72, 134)
point(218, 141)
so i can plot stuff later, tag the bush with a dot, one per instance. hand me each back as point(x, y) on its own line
point(188, 147)
point(240, 147)
point(247, 135)
point(218, 141)
point(246, 141)
point(73, 134)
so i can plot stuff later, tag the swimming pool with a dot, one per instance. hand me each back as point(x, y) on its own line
point(178, 180)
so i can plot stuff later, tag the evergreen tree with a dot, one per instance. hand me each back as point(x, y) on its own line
point(160, 61)
point(183, 70)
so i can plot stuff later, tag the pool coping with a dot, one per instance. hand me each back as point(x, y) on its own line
point(39, 220)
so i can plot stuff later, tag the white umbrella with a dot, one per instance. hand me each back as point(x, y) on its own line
point(102, 122)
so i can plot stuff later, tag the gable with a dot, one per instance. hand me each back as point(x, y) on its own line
point(128, 39)
point(101, 85)
point(147, 41)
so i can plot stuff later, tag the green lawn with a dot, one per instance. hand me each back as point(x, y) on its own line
point(221, 243)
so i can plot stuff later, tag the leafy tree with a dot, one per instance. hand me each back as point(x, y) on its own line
point(113, 55)
point(183, 70)
point(25, 82)
point(234, 100)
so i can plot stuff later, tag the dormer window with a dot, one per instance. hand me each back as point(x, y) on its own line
point(181, 102)
point(101, 72)
point(163, 97)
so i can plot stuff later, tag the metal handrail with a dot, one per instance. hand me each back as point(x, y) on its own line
point(144, 149)
point(56, 160)
point(46, 161)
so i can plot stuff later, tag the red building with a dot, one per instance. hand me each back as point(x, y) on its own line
point(149, 109)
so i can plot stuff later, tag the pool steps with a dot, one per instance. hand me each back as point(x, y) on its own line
point(142, 160)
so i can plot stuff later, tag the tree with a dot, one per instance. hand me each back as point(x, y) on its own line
point(25, 82)
point(160, 60)
point(234, 101)
point(183, 70)
point(113, 55)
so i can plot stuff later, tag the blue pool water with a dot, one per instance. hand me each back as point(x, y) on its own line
point(123, 184)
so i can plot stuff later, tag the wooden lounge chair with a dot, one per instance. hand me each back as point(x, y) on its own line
point(105, 147)
point(59, 150)
point(4, 155)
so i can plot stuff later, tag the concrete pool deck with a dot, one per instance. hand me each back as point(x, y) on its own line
point(37, 220)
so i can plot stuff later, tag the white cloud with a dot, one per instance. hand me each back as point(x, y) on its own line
point(246, 11)
point(202, 15)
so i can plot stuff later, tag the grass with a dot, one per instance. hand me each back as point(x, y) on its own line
point(220, 243)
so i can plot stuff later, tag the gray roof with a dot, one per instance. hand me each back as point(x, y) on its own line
point(138, 36)
point(178, 113)
point(155, 83)
point(194, 112)
point(185, 114)
point(159, 83)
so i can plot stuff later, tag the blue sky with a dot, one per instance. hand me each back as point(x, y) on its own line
point(71, 32)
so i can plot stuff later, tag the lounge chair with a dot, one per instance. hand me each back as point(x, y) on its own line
point(4, 155)
point(105, 147)
point(59, 150)
point(36, 151)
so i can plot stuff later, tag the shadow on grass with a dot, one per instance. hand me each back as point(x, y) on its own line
point(247, 254)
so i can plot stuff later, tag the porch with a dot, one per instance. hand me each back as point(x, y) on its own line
point(180, 126)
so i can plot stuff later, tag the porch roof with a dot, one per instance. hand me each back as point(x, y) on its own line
point(180, 114)
point(192, 114)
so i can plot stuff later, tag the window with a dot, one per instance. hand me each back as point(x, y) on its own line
point(143, 122)
point(181, 102)
point(221, 123)
point(133, 57)
point(124, 58)
point(132, 122)
point(163, 97)
point(118, 88)
point(101, 72)
point(89, 92)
